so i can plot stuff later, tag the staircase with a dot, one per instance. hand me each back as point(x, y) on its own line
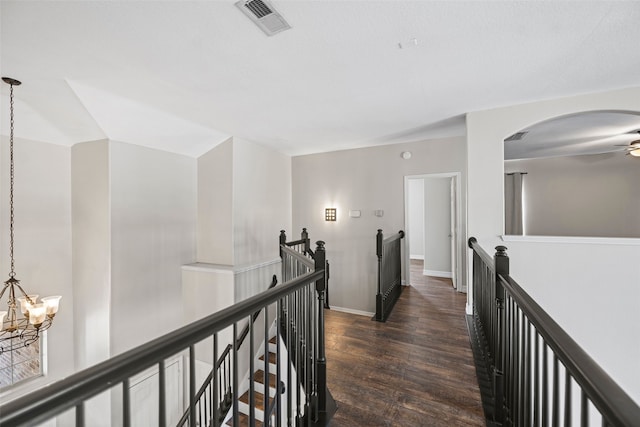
point(258, 377)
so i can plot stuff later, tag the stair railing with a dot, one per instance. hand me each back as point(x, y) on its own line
point(533, 361)
point(293, 264)
point(389, 285)
point(73, 391)
point(222, 396)
point(306, 352)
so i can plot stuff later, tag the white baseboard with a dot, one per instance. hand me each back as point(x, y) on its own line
point(352, 311)
point(417, 257)
point(435, 273)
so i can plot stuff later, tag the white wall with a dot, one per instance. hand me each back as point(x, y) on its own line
point(91, 251)
point(153, 223)
point(416, 218)
point(365, 179)
point(486, 131)
point(594, 195)
point(593, 292)
point(582, 270)
point(261, 201)
point(215, 201)
point(42, 242)
point(437, 226)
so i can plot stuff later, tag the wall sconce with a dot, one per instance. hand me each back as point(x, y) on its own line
point(330, 214)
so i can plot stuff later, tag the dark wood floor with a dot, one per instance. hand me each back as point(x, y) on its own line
point(414, 370)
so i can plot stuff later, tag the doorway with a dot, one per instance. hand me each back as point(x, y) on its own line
point(432, 218)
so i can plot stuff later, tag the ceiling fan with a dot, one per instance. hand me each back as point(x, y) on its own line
point(633, 148)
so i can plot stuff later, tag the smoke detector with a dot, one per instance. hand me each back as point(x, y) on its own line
point(264, 15)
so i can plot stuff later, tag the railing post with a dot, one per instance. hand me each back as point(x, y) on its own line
point(320, 263)
point(379, 299)
point(305, 236)
point(502, 269)
point(282, 241)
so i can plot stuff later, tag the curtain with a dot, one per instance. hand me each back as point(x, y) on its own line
point(513, 214)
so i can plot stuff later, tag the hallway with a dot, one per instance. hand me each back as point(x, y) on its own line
point(414, 370)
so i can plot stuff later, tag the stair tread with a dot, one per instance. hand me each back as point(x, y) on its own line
point(272, 357)
point(259, 399)
point(259, 377)
point(243, 420)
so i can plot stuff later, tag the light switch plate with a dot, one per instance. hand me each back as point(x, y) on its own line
point(355, 214)
point(378, 212)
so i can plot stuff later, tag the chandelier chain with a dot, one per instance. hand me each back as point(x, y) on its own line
point(12, 273)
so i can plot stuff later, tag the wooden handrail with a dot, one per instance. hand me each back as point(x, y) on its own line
point(56, 398)
point(501, 308)
point(612, 402)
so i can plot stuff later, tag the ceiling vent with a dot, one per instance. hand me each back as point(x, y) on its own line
point(264, 15)
point(516, 136)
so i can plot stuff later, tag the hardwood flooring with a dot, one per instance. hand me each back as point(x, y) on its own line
point(414, 370)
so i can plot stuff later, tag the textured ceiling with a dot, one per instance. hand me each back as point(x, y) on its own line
point(184, 75)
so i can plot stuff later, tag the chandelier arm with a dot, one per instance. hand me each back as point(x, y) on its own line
point(24, 293)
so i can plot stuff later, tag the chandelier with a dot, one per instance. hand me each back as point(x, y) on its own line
point(22, 327)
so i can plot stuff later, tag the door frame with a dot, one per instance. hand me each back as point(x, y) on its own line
point(458, 243)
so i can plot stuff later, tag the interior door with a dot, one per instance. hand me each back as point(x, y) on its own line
point(453, 233)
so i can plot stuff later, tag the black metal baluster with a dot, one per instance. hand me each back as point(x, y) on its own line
point(214, 388)
point(518, 364)
point(507, 356)
point(555, 418)
point(278, 395)
point(162, 400)
point(527, 381)
point(234, 388)
point(289, 364)
point(297, 353)
point(80, 414)
point(313, 406)
point(267, 414)
point(252, 370)
point(545, 385)
point(567, 398)
point(192, 385)
point(126, 404)
point(536, 381)
point(307, 355)
point(584, 409)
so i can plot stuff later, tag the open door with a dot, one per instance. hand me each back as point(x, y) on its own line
point(453, 234)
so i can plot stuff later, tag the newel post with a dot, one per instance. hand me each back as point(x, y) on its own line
point(320, 264)
point(282, 241)
point(304, 236)
point(379, 299)
point(501, 261)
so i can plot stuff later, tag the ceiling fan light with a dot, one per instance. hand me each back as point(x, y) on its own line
point(635, 153)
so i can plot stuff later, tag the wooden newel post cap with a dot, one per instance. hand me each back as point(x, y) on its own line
point(501, 251)
point(320, 246)
point(472, 240)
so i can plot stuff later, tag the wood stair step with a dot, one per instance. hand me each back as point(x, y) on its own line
point(258, 377)
point(243, 421)
point(272, 357)
point(259, 399)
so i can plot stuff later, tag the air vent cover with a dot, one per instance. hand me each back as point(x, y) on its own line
point(516, 136)
point(264, 15)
